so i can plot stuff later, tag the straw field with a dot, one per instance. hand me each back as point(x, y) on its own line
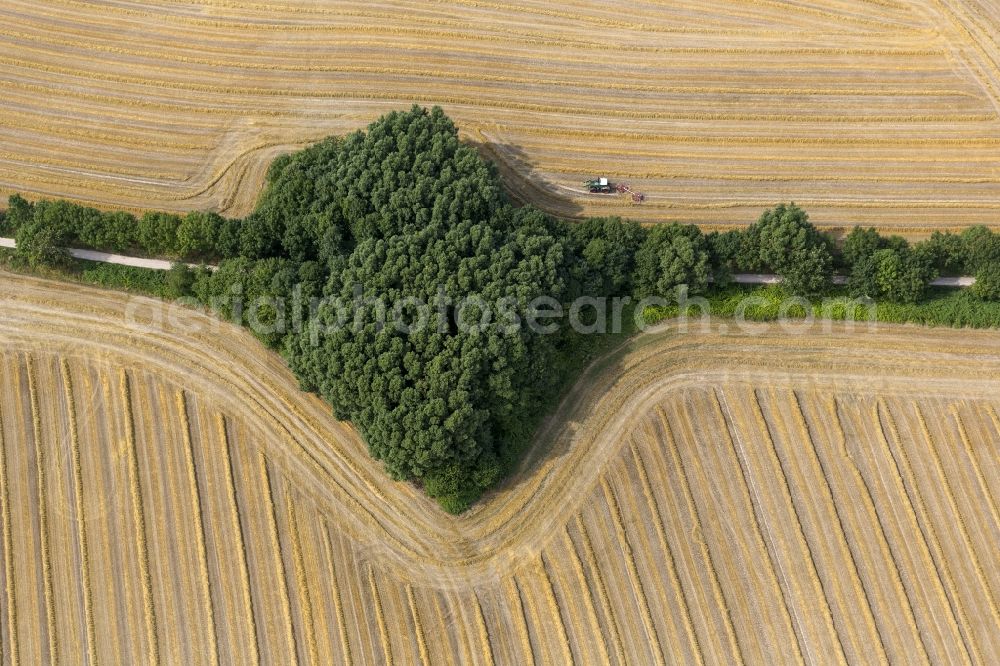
point(168, 497)
point(877, 111)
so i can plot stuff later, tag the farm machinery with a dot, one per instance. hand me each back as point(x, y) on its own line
point(605, 186)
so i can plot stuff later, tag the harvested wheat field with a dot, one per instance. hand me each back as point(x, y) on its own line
point(877, 111)
point(167, 497)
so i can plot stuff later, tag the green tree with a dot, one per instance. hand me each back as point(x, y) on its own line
point(982, 247)
point(946, 251)
point(180, 281)
point(197, 234)
point(19, 212)
point(982, 252)
point(41, 244)
point(607, 247)
point(861, 244)
point(901, 276)
point(673, 255)
point(157, 234)
point(987, 285)
point(725, 252)
point(784, 241)
point(405, 211)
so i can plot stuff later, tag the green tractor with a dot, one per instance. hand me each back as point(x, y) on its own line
point(599, 186)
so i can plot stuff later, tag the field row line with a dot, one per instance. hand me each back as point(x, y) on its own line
point(301, 581)
point(236, 524)
point(723, 141)
point(671, 561)
point(819, 591)
point(484, 636)
point(550, 597)
point(184, 25)
point(10, 589)
point(287, 26)
point(762, 530)
point(380, 618)
point(980, 478)
point(736, 650)
point(633, 573)
point(367, 94)
point(588, 599)
point(511, 9)
point(447, 30)
point(959, 519)
point(544, 10)
point(264, 472)
point(875, 518)
point(200, 539)
point(43, 518)
point(138, 517)
point(81, 519)
point(338, 601)
point(833, 507)
point(958, 621)
point(479, 75)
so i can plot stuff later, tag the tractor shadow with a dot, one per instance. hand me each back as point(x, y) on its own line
point(523, 183)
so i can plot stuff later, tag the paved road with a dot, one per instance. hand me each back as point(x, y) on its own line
point(762, 278)
point(161, 265)
point(107, 258)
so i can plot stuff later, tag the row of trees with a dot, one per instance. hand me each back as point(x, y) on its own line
point(405, 211)
point(624, 257)
point(45, 228)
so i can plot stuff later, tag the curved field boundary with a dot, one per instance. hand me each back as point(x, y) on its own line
point(678, 448)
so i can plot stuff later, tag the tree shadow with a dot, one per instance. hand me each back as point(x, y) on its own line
point(522, 182)
point(556, 433)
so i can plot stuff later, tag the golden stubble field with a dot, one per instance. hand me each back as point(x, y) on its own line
point(168, 496)
point(880, 112)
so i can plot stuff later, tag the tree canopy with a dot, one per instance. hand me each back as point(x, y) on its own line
point(673, 255)
point(398, 281)
point(785, 241)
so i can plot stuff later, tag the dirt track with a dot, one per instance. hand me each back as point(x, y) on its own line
point(712, 497)
point(879, 112)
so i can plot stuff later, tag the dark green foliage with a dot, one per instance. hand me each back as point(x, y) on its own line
point(407, 212)
point(901, 276)
point(861, 244)
point(725, 248)
point(39, 244)
point(197, 235)
point(946, 252)
point(982, 248)
point(19, 212)
point(982, 253)
point(784, 241)
point(180, 281)
point(125, 278)
point(673, 255)
point(987, 285)
point(255, 293)
point(941, 307)
point(299, 203)
point(607, 247)
point(157, 233)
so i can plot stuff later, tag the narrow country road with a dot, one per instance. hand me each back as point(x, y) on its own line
point(163, 265)
point(107, 258)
